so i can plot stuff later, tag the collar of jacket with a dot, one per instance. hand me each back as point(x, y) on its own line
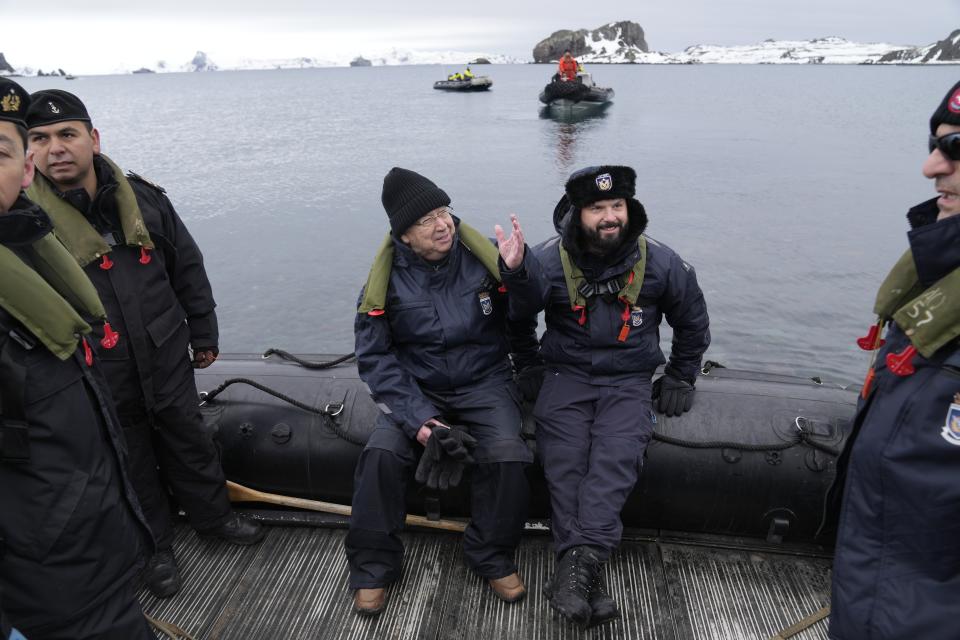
point(74, 230)
point(393, 251)
point(52, 298)
point(922, 291)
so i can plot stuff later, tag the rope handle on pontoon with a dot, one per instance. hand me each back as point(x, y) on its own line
point(306, 364)
point(330, 411)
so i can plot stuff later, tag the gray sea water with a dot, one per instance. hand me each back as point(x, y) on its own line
point(785, 186)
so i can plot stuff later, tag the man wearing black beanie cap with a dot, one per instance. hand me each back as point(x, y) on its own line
point(605, 287)
point(432, 346)
point(149, 272)
point(896, 571)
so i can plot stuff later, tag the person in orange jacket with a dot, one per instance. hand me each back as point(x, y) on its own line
point(567, 68)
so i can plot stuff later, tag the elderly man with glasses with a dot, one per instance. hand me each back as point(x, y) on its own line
point(432, 345)
point(897, 562)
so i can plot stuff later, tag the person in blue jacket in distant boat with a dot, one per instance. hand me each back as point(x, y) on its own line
point(896, 570)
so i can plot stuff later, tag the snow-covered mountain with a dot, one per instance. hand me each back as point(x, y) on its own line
point(616, 42)
point(831, 50)
point(610, 43)
point(623, 42)
point(943, 51)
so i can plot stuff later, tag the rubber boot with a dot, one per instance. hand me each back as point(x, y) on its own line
point(603, 608)
point(569, 591)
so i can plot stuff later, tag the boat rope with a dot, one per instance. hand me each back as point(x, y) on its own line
point(802, 436)
point(307, 364)
point(328, 413)
point(802, 625)
point(168, 629)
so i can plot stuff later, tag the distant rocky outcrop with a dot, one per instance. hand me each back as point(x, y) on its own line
point(200, 62)
point(479, 61)
point(615, 42)
point(360, 61)
point(5, 67)
point(943, 51)
point(55, 72)
point(143, 70)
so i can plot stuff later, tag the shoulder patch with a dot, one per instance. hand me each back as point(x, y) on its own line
point(136, 176)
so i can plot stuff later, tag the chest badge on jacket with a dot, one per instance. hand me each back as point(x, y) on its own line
point(951, 427)
point(486, 304)
point(636, 316)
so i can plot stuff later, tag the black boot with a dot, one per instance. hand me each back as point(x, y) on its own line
point(237, 530)
point(603, 608)
point(569, 591)
point(161, 574)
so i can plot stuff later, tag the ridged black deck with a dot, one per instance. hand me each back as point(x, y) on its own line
point(294, 585)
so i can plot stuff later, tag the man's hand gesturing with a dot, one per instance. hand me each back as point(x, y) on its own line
point(511, 249)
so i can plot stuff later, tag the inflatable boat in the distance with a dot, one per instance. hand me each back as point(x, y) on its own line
point(752, 459)
point(477, 83)
point(575, 95)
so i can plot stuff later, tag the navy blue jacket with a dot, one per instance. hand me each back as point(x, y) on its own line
point(592, 352)
point(444, 329)
point(159, 308)
point(897, 563)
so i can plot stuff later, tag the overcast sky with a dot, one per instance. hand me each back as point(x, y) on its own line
point(86, 36)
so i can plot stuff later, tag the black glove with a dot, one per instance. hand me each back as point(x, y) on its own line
point(445, 455)
point(529, 380)
point(456, 442)
point(672, 396)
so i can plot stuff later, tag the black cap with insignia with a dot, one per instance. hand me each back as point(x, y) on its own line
point(14, 101)
point(54, 105)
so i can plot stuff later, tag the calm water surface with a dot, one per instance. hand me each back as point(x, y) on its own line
point(786, 187)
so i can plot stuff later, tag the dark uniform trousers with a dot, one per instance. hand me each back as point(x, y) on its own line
point(173, 437)
point(499, 489)
point(591, 440)
point(119, 618)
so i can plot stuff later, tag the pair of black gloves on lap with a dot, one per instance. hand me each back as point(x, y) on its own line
point(672, 396)
point(445, 455)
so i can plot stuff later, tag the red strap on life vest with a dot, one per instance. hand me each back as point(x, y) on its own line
point(87, 352)
point(145, 257)
point(110, 337)
point(872, 340)
point(900, 363)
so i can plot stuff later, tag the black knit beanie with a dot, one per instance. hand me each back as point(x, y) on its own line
point(408, 196)
point(949, 110)
point(606, 182)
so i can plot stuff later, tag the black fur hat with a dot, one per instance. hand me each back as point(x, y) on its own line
point(605, 182)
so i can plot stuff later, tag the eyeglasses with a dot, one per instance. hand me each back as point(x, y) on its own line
point(431, 219)
point(949, 145)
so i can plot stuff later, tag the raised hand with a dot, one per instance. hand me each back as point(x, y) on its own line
point(511, 249)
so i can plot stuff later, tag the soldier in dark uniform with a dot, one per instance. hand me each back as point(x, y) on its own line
point(70, 526)
point(605, 287)
point(896, 569)
point(149, 273)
